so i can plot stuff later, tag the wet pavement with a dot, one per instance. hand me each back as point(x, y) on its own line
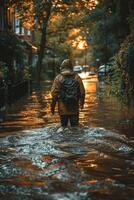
point(39, 160)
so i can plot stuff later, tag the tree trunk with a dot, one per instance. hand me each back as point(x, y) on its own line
point(43, 41)
point(5, 15)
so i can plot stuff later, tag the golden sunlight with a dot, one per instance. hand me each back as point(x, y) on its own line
point(79, 43)
point(82, 45)
point(91, 4)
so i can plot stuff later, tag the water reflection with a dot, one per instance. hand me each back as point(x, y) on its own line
point(71, 164)
point(38, 160)
point(99, 111)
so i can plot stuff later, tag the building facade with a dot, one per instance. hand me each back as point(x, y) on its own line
point(13, 39)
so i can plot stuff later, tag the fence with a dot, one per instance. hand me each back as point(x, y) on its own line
point(12, 93)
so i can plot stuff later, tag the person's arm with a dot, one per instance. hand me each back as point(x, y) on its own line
point(54, 93)
point(82, 92)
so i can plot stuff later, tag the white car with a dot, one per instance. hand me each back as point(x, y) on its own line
point(102, 71)
point(77, 68)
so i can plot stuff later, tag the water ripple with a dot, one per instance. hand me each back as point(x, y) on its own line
point(87, 160)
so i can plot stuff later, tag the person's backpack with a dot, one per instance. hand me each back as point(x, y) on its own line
point(70, 90)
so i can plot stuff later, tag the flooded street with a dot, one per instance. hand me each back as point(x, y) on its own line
point(40, 161)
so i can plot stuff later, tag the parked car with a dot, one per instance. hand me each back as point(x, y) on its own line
point(102, 71)
point(77, 68)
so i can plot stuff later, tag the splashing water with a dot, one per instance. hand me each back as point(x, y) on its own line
point(81, 163)
point(71, 163)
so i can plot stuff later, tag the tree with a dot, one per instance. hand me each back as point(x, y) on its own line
point(113, 21)
point(47, 10)
point(108, 26)
point(42, 12)
point(51, 10)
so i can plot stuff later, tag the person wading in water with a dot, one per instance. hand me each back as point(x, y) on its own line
point(68, 90)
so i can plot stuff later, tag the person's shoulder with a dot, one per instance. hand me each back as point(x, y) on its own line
point(77, 76)
point(58, 77)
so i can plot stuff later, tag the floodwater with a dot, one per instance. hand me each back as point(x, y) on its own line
point(41, 161)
